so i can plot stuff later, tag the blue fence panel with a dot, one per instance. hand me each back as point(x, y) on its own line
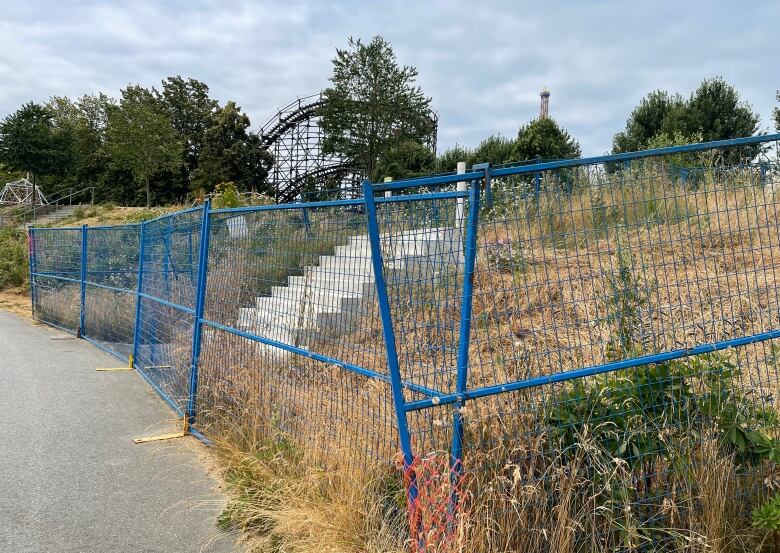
point(292, 340)
point(565, 352)
point(110, 289)
point(166, 316)
point(55, 270)
point(622, 351)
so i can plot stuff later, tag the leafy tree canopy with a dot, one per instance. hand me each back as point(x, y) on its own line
point(713, 111)
point(405, 160)
point(373, 105)
point(448, 160)
point(191, 111)
point(231, 154)
point(655, 114)
point(544, 138)
point(30, 141)
point(85, 121)
point(777, 113)
point(495, 149)
point(141, 137)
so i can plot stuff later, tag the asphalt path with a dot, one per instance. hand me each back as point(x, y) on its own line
point(71, 480)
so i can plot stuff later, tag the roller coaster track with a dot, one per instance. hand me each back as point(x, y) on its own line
point(294, 137)
point(289, 121)
point(319, 175)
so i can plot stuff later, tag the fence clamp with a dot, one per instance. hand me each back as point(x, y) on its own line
point(485, 167)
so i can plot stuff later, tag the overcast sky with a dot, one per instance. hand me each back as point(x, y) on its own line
point(482, 62)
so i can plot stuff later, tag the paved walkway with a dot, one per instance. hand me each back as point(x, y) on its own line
point(71, 480)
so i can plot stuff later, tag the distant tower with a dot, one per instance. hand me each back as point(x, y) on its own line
point(544, 109)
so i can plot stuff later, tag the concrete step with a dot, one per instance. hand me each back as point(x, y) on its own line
point(62, 213)
point(329, 298)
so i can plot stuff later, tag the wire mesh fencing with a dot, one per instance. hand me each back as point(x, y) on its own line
point(291, 329)
point(167, 296)
point(573, 355)
point(620, 358)
point(111, 280)
point(56, 276)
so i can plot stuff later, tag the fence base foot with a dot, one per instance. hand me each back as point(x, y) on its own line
point(129, 367)
point(159, 437)
point(170, 436)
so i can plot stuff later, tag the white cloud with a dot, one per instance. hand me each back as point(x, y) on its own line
point(483, 63)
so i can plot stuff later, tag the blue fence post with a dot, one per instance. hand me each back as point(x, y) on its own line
point(200, 300)
point(488, 188)
point(306, 222)
point(167, 259)
point(537, 180)
point(470, 254)
point(83, 298)
point(138, 292)
point(399, 403)
point(31, 266)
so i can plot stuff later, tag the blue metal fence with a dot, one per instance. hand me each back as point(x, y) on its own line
point(110, 281)
point(558, 348)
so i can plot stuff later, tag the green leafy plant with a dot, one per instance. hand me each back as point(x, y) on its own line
point(627, 296)
point(226, 195)
point(653, 419)
point(13, 258)
point(767, 516)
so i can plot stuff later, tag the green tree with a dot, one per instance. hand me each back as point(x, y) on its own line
point(29, 141)
point(140, 137)
point(657, 112)
point(495, 150)
point(85, 121)
point(372, 106)
point(448, 160)
point(716, 111)
point(191, 111)
point(544, 138)
point(777, 112)
point(713, 111)
point(7, 175)
point(405, 160)
point(231, 154)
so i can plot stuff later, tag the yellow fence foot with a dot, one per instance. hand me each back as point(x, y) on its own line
point(129, 366)
point(159, 437)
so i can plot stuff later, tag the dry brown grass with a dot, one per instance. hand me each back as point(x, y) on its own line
point(294, 434)
point(16, 301)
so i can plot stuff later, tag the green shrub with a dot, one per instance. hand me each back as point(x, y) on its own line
point(13, 259)
point(226, 196)
point(767, 517)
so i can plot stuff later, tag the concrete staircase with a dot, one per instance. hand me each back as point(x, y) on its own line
point(57, 215)
point(329, 298)
point(44, 215)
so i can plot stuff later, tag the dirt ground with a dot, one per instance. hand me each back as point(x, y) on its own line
point(16, 301)
point(103, 215)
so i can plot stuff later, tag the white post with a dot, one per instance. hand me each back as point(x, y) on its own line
point(461, 201)
point(460, 209)
point(388, 193)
